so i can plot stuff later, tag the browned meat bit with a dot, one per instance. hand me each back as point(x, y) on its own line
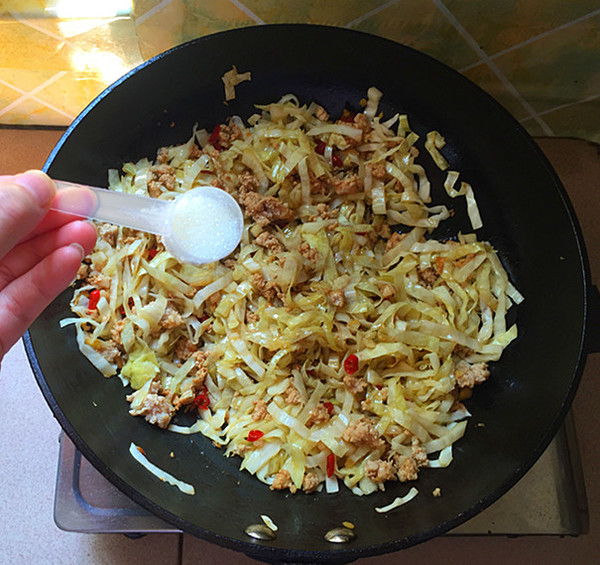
point(162, 156)
point(462, 351)
point(337, 298)
point(109, 233)
point(308, 252)
point(251, 317)
point(191, 387)
point(318, 415)
point(362, 122)
point(156, 409)
point(184, 349)
point(283, 480)
point(318, 185)
point(227, 135)
point(321, 113)
point(363, 432)
point(386, 289)
point(260, 410)
point(382, 230)
point(325, 212)
point(427, 276)
point(110, 350)
point(292, 394)
point(265, 209)
point(195, 152)
point(99, 280)
point(269, 241)
point(161, 176)
point(171, 318)
point(310, 482)
point(82, 272)
point(351, 184)
point(212, 301)
point(419, 454)
point(395, 240)
point(247, 182)
point(468, 375)
point(115, 331)
point(408, 470)
point(268, 289)
point(378, 170)
point(354, 384)
point(380, 471)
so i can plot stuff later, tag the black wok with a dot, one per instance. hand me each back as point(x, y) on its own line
point(527, 217)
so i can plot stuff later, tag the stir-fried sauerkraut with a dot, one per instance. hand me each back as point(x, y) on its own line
point(338, 341)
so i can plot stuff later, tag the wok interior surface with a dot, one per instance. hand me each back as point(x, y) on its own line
point(526, 215)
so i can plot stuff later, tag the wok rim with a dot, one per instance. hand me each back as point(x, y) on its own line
point(275, 554)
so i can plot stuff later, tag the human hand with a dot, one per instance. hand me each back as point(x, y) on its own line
point(40, 251)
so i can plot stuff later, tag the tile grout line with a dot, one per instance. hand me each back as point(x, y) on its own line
point(494, 68)
point(240, 6)
point(152, 11)
point(60, 38)
point(536, 37)
point(372, 12)
point(566, 105)
point(31, 96)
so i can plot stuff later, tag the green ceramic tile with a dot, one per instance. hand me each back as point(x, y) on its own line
point(558, 69)
point(483, 76)
point(576, 120)
point(499, 24)
point(329, 12)
point(419, 24)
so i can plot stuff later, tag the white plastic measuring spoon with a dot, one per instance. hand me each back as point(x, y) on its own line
point(199, 226)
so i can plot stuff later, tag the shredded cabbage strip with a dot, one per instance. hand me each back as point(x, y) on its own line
point(337, 342)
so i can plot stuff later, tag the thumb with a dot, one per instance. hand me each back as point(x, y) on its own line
point(24, 201)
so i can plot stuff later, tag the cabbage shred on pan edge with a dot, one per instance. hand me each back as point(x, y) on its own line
point(328, 347)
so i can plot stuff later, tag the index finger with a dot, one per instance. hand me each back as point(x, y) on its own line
point(24, 201)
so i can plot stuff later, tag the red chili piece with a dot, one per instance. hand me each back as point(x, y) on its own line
point(253, 435)
point(328, 406)
point(336, 161)
point(214, 138)
point(347, 116)
point(330, 464)
point(351, 364)
point(320, 148)
point(152, 252)
point(94, 298)
point(202, 401)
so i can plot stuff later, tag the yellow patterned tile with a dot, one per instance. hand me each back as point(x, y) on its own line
point(419, 24)
point(332, 12)
point(24, 6)
point(558, 69)
point(72, 92)
point(159, 30)
point(22, 46)
point(33, 112)
point(26, 79)
point(8, 96)
point(211, 16)
point(501, 24)
point(576, 120)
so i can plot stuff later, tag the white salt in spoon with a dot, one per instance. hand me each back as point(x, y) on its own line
point(199, 226)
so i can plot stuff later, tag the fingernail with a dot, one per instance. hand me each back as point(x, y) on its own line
point(79, 248)
point(39, 185)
